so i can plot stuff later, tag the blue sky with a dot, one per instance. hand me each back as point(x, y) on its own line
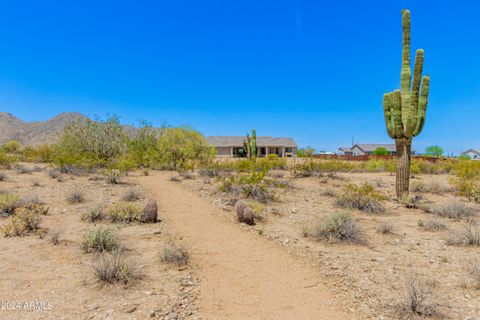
point(310, 69)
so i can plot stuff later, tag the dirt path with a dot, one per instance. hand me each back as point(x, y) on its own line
point(242, 276)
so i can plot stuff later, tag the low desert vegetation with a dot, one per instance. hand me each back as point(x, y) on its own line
point(131, 195)
point(76, 196)
point(339, 226)
point(115, 267)
point(24, 221)
point(124, 212)
point(8, 203)
point(385, 228)
point(364, 198)
point(418, 299)
point(94, 214)
point(100, 240)
point(3, 176)
point(113, 176)
point(472, 268)
point(455, 210)
point(468, 236)
point(253, 186)
point(54, 236)
point(174, 253)
point(434, 225)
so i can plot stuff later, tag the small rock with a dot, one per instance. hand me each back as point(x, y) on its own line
point(130, 309)
point(171, 316)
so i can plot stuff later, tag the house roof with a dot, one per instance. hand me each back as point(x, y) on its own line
point(370, 147)
point(472, 151)
point(262, 141)
point(345, 149)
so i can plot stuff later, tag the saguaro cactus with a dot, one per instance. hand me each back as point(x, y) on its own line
point(247, 146)
point(254, 143)
point(405, 109)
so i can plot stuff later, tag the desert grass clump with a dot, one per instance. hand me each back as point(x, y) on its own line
point(24, 170)
point(175, 179)
point(100, 240)
point(54, 173)
point(417, 300)
point(124, 212)
point(113, 176)
point(115, 268)
point(454, 210)
point(252, 186)
point(364, 198)
point(93, 215)
point(131, 195)
point(434, 225)
point(177, 254)
point(339, 226)
point(3, 176)
point(75, 196)
point(472, 269)
point(54, 236)
point(469, 236)
point(432, 187)
point(8, 203)
point(24, 221)
point(185, 174)
point(385, 228)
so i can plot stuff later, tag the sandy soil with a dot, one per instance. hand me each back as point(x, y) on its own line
point(368, 280)
point(242, 276)
point(34, 270)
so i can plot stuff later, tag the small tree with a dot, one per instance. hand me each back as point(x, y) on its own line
point(179, 147)
point(434, 151)
point(143, 149)
point(306, 151)
point(381, 151)
point(11, 147)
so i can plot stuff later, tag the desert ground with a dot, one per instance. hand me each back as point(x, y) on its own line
point(271, 270)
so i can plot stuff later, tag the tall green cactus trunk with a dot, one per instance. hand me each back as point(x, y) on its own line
point(402, 181)
point(254, 143)
point(405, 110)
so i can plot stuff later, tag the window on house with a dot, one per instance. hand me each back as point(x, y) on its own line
point(287, 149)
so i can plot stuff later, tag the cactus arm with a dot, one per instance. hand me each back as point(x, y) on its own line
point(406, 73)
point(422, 105)
point(413, 110)
point(397, 114)
point(387, 112)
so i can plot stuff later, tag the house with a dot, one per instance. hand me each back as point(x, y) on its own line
point(368, 149)
point(344, 151)
point(472, 154)
point(232, 146)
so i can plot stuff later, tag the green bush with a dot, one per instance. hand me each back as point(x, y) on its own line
point(11, 147)
point(22, 222)
point(339, 226)
point(99, 240)
point(363, 198)
point(124, 212)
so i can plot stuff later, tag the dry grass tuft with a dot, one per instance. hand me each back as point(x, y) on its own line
point(54, 236)
point(339, 226)
point(434, 225)
point(472, 268)
point(454, 210)
point(175, 178)
point(24, 221)
point(8, 203)
point(385, 228)
point(115, 267)
point(75, 196)
point(54, 173)
point(100, 240)
point(93, 215)
point(469, 236)
point(131, 195)
point(174, 253)
point(363, 198)
point(124, 212)
point(113, 176)
point(418, 299)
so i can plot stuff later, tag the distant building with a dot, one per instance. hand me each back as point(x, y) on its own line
point(232, 146)
point(368, 149)
point(472, 154)
point(345, 151)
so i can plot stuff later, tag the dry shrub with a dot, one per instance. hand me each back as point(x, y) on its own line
point(454, 210)
point(54, 173)
point(113, 176)
point(75, 196)
point(434, 225)
point(54, 236)
point(472, 268)
point(116, 267)
point(339, 226)
point(469, 236)
point(417, 300)
point(93, 215)
point(186, 175)
point(432, 187)
point(385, 228)
point(8, 203)
point(3, 176)
point(100, 240)
point(124, 212)
point(177, 254)
point(24, 170)
point(363, 198)
point(131, 195)
point(22, 222)
point(175, 178)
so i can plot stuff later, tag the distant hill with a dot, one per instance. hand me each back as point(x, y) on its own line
point(39, 132)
